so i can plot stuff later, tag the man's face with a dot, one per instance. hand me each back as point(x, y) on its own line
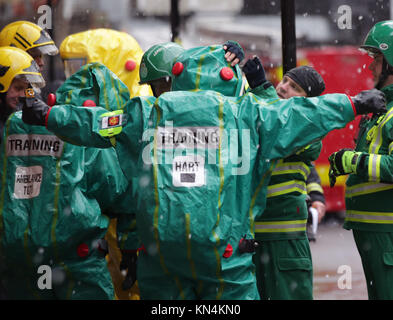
point(16, 90)
point(287, 88)
point(376, 67)
point(37, 56)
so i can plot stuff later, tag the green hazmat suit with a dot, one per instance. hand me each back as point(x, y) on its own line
point(367, 200)
point(53, 196)
point(202, 159)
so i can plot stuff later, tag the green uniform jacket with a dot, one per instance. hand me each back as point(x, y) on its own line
point(369, 191)
point(286, 211)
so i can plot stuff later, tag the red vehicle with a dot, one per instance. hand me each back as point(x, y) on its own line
point(345, 70)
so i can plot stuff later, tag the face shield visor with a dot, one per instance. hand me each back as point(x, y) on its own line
point(370, 51)
point(73, 65)
point(49, 49)
point(33, 76)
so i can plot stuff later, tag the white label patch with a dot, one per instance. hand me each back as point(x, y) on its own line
point(112, 121)
point(34, 145)
point(188, 171)
point(27, 182)
point(188, 137)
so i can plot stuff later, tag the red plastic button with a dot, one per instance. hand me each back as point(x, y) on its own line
point(130, 65)
point(142, 248)
point(177, 68)
point(51, 100)
point(226, 74)
point(228, 251)
point(89, 103)
point(82, 250)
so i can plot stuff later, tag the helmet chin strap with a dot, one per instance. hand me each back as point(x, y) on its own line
point(387, 70)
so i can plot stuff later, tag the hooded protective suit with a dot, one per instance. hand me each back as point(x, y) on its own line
point(202, 159)
point(117, 50)
point(52, 196)
point(101, 45)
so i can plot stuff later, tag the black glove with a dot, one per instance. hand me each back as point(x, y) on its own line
point(255, 74)
point(128, 262)
point(370, 101)
point(234, 48)
point(34, 111)
point(344, 161)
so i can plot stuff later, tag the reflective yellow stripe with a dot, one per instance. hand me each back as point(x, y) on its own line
point(286, 187)
point(4, 178)
point(313, 186)
point(366, 188)
point(258, 189)
point(157, 206)
point(69, 96)
point(369, 217)
point(303, 149)
point(390, 147)
point(376, 141)
point(323, 172)
point(188, 242)
point(56, 206)
point(374, 164)
point(292, 167)
point(221, 170)
point(280, 226)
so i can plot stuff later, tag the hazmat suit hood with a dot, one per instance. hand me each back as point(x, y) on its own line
point(93, 84)
point(205, 68)
point(118, 51)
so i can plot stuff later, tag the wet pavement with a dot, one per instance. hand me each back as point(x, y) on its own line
point(338, 273)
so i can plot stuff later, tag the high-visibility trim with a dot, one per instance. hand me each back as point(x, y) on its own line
point(369, 217)
point(286, 187)
point(221, 171)
point(56, 206)
point(366, 188)
point(374, 167)
point(291, 167)
point(313, 186)
point(69, 97)
point(323, 172)
point(188, 243)
point(198, 75)
point(104, 90)
point(157, 207)
point(258, 189)
point(376, 141)
point(390, 148)
point(4, 178)
point(280, 226)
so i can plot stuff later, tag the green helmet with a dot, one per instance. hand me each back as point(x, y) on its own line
point(380, 39)
point(157, 61)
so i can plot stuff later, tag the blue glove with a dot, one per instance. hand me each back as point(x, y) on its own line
point(255, 74)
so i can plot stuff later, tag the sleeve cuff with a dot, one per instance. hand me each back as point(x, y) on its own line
point(353, 105)
point(46, 117)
